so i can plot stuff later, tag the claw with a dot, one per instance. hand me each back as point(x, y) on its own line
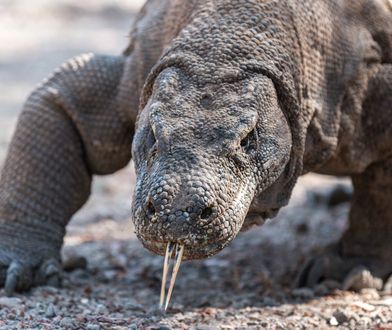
point(52, 267)
point(179, 250)
point(14, 272)
point(316, 272)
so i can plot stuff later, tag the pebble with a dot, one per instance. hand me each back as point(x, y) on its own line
point(9, 302)
point(101, 309)
point(84, 301)
point(67, 323)
point(333, 321)
point(50, 311)
point(93, 327)
point(340, 316)
point(370, 294)
point(365, 306)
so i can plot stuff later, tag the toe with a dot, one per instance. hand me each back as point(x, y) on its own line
point(360, 278)
point(316, 272)
point(49, 273)
point(328, 266)
point(302, 278)
point(18, 278)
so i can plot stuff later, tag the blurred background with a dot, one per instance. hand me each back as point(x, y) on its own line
point(38, 36)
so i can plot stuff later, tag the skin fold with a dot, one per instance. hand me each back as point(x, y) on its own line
point(226, 104)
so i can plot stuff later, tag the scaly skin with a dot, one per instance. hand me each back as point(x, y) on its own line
point(237, 99)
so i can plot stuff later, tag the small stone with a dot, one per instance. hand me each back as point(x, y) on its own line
point(158, 327)
point(93, 327)
point(84, 301)
point(11, 316)
point(101, 309)
point(50, 312)
point(205, 327)
point(9, 301)
point(365, 306)
point(67, 323)
point(370, 294)
point(340, 316)
point(333, 321)
point(384, 302)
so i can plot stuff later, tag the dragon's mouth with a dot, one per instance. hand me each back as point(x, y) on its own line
point(191, 251)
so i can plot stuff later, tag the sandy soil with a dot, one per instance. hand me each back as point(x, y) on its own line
point(247, 286)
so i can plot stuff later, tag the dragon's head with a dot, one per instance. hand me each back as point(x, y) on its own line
point(202, 152)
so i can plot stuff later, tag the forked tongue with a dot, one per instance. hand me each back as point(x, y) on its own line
point(178, 251)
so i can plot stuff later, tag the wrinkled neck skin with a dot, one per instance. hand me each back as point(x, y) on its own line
point(214, 144)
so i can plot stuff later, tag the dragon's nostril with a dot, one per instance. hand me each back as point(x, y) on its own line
point(206, 213)
point(150, 208)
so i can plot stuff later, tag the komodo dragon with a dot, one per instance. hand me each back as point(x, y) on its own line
point(227, 103)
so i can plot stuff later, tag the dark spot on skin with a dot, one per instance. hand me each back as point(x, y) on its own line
point(206, 101)
point(207, 212)
point(247, 142)
point(150, 208)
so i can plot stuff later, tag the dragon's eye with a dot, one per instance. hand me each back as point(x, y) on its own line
point(248, 143)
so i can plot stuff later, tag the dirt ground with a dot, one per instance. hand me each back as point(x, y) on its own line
point(247, 286)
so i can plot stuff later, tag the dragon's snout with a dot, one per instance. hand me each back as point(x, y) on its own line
point(195, 208)
point(186, 212)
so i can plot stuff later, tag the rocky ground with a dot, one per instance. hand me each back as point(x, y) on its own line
point(247, 286)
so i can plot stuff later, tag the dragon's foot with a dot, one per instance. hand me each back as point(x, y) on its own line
point(24, 264)
point(352, 273)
